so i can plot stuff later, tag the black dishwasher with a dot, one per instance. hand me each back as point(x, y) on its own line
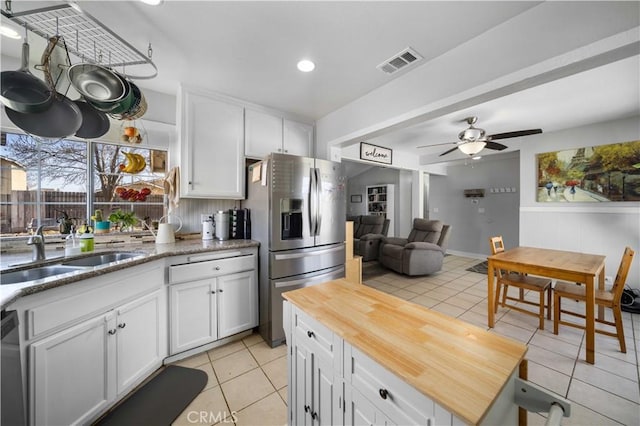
point(12, 402)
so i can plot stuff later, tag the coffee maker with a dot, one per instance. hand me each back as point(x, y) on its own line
point(240, 224)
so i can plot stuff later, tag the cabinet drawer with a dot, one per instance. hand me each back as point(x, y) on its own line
point(395, 398)
point(314, 335)
point(211, 268)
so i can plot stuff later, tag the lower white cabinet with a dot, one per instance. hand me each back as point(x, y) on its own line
point(209, 309)
point(78, 372)
point(332, 383)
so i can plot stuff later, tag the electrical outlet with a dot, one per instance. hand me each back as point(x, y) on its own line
point(608, 279)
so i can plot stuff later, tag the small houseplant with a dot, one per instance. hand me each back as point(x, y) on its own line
point(123, 220)
point(100, 225)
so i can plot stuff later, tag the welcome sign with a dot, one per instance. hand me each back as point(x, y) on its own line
point(375, 153)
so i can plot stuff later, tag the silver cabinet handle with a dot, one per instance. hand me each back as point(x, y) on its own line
point(217, 268)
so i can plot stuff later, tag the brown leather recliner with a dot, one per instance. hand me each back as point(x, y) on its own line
point(368, 231)
point(422, 253)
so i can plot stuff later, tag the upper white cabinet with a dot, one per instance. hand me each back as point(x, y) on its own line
point(211, 145)
point(266, 133)
point(263, 133)
point(298, 138)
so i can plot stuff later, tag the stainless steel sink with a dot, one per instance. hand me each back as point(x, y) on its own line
point(102, 259)
point(35, 273)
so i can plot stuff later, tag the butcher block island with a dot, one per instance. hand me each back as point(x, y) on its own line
point(360, 356)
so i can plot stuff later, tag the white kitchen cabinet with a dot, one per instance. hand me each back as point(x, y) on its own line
point(212, 299)
point(315, 364)
point(269, 132)
point(141, 330)
point(298, 138)
point(211, 145)
point(76, 373)
point(237, 303)
point(69, 383)
point(263, 133)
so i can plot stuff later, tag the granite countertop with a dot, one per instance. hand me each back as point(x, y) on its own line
point(149, 252)
point(460, 366)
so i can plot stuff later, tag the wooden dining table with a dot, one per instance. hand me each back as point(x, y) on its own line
point(559, 264)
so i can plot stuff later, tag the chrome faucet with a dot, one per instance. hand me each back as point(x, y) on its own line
point(37, 241)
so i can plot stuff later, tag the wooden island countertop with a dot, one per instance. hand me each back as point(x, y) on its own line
point(458, 365)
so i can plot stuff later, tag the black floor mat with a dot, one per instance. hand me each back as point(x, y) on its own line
point(161, 400)
point(480, 268)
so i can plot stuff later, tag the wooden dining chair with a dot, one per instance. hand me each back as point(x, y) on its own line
point(607, 298)
point(523, 282)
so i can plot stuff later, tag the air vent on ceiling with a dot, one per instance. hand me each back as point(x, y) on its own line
point(407, 57)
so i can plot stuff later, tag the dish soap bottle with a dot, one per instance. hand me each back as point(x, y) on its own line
point(86, 240)
point(71, 247)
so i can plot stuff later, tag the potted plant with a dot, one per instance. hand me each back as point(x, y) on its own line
point(101, 226)
point(123, 220)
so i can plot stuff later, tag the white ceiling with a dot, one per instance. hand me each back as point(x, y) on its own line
point(249, 50)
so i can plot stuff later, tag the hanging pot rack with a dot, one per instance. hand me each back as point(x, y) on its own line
point(86, 38)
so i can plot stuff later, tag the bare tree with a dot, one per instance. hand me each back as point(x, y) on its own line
point(66, 161)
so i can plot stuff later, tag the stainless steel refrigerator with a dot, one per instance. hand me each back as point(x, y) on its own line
point(298, 215)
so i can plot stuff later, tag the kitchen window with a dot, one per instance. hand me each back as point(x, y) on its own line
point(50, 182)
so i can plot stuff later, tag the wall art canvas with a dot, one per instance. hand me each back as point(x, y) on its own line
point(601, 173)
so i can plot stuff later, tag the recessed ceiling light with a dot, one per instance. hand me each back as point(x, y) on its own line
point(152, 2)
point(9, 32)
point(306, 65)
point(477, 157)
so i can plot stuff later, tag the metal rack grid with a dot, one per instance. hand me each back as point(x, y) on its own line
point(86, 38)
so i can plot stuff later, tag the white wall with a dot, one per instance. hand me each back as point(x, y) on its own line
point(602, 228)
point(474, 220)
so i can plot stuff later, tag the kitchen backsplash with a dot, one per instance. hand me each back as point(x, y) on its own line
point(190, 210)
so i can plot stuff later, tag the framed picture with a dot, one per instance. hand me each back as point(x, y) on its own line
point(158, 161)
point(603, 173)
point(356, 198)
point(376, 153)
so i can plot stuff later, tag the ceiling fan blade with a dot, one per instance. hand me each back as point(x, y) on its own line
point(437, 144)
point(447, 152)
point(495, 145)
point(516, 134)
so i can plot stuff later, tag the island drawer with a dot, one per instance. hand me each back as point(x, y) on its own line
point(313, 334)
point(211, 268)
point(394, 397)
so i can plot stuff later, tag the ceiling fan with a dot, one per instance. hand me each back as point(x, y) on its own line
point(472, 140)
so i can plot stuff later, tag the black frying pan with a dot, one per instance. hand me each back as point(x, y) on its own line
point(94, 123)
point(22, 91)
point(63, 118)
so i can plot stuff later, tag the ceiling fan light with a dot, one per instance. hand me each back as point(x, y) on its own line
point(472, 148)
point(471, 134)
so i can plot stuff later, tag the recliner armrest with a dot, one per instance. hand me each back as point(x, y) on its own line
point(370, 237)
point(395, 241)
point(423, 246)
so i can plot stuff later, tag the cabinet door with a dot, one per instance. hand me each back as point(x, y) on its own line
point(301, 380)
point(211, 146)
point(140, 339)
point(237, 303)
point(70, 381)
point(298, 138)
point(192, 314)
point(326, 394)
point(263, 134)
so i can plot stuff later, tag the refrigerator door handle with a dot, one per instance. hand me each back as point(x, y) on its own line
point(312, 203)
point(318, 193)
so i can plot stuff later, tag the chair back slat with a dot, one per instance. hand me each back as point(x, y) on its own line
point(621, 276)
point(497, 245)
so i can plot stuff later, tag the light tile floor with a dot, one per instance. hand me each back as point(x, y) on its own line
point(248, 382)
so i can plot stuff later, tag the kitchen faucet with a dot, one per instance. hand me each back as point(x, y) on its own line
point(37, 241)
